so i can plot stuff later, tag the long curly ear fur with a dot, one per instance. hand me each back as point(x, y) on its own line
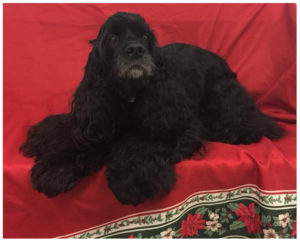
point(96, 65)
point(89, 107)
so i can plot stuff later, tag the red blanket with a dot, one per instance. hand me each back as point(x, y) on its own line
point(45, 50)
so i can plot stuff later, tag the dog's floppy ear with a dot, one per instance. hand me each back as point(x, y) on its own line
point(87, 100)
point(95, 68)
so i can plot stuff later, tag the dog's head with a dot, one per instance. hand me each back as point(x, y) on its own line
point(126, 46)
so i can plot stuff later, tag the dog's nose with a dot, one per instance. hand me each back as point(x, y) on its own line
point(135, 50)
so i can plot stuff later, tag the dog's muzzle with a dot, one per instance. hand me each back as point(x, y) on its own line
point(139, 68)
point(137, 71)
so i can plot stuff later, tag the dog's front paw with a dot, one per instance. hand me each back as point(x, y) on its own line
point(52, 179)
point(141, 182)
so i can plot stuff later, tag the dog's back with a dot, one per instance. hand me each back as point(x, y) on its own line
point(194, 68)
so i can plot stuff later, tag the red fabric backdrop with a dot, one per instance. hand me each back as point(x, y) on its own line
point(45, 50)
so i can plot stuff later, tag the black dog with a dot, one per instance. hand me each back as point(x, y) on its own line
point(139, 109)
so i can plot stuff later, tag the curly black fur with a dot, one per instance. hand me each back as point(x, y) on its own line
point(139, 109)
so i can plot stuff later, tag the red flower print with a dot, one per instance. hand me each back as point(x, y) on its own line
point(294, 232)
point(130, 236)
point(249, 217)
point(191, 225)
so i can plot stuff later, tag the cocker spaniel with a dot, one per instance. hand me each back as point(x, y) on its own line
point(139, 109)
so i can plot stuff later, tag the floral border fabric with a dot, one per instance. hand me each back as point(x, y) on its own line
point(243, 212)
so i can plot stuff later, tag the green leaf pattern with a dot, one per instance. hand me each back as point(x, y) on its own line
point(218, 205)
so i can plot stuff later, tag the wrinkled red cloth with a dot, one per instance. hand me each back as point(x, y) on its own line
point(45, 50)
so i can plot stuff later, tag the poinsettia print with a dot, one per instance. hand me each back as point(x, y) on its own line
point(270, 234)
point(283, 219)
point(251, 220)
point(210, 215)
point(191, 225)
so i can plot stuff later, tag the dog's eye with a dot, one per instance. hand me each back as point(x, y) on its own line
point(113, 39)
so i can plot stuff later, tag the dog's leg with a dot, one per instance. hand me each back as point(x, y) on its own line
point(233, 117)
point(59, 164)
point(184, 144)
point(138, 169)
point(52, 177)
